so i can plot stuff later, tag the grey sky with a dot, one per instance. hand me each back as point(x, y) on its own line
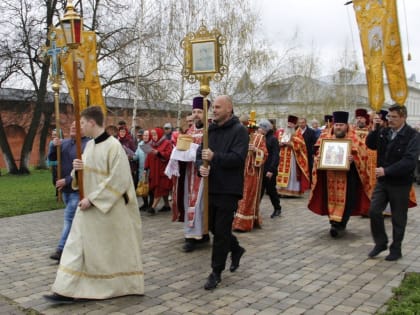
point(328, 27)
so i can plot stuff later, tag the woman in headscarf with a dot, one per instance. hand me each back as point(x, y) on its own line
point(159, 184)
point(129, 147)
point(140, 156)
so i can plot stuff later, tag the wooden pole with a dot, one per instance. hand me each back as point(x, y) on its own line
point(56, 89)
point(77, 118)
point(205, 90)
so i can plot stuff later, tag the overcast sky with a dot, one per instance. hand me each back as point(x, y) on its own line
point(329, 26)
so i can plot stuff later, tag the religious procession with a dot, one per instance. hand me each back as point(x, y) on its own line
point(210, 173)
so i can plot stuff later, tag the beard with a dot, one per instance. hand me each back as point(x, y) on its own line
point(199, 124)
point(290, 131)
point(339, 133)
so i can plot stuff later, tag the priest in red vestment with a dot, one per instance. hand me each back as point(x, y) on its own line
point(293, 171)
point(341, 193)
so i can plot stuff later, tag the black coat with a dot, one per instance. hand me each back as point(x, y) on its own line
point(399, 156)
point(229, 144)
point(273, 149)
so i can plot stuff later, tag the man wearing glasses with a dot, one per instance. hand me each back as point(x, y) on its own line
point(397, 149)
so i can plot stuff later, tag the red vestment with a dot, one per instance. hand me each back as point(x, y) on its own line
point(248, 215)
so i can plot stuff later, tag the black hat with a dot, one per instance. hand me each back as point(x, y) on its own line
point(198, 102)
point(328, 118)
point(383, 114)
point(341, 117)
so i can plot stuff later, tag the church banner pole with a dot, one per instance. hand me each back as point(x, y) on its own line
point(72, 26)
point(203, 61)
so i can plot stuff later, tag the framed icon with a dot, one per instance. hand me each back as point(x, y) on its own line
point(334, 154)
point(203, 56)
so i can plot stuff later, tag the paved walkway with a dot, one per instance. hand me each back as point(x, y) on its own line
point(292, 266)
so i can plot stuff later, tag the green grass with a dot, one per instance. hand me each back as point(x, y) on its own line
point(27, 194)
point(406, 299)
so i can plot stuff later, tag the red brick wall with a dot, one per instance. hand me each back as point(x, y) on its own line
point(16, 120)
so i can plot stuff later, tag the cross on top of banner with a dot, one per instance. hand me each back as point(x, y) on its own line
point(53, 52)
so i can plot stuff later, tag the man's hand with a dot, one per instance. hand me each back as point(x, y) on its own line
point(204, 171)
point(59, 184)
point(84, 204)
point(78, 164)
point(207, 154)
point(269, 175)
point(379, 172)
point(57, 141)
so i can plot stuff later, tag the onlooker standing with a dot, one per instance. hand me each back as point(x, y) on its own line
point(270, 166)
point(52, 164)
point(228, 147)
point(140, 157)
point(315, 127)
point(398, 148)
point(157, 159)
point(63, 184)
point(168, 131)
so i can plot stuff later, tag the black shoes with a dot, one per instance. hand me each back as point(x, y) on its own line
point(144, 207)
point(276, 213)
point(189, 245)
point(58, 298)
point(377, 250)
point(151, 211)
point(165, 208)
point(56, 255)
point(393, 256)
point(212, 281)
point(236, 257)
point(333, 232)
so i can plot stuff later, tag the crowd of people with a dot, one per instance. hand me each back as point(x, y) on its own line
point(348, 169)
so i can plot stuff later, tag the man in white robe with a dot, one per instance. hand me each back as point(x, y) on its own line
point(102, 256)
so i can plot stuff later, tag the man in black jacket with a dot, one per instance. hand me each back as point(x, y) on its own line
point(228, 148)
point(270, 166)
point(397, 149)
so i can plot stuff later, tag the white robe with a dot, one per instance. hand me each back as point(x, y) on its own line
point(102, 255)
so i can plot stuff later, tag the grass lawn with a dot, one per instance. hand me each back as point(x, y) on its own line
point(406, 299)
point(27, 193)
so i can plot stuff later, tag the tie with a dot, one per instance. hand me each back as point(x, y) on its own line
point(394, 133)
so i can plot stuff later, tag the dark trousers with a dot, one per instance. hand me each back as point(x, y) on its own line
point(397, 196)
point(269, 186)
point(221, 213)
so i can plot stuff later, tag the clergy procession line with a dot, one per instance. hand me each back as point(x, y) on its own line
point(349, 170)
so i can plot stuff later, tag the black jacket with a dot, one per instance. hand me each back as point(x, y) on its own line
point(273, 149)
point(399, 156)
point(229, 144)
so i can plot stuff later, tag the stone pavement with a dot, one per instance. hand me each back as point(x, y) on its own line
point(291, 266)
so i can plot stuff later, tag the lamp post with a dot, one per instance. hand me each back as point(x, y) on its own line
point(72, 26)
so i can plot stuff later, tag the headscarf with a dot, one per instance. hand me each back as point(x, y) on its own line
point(160, 135)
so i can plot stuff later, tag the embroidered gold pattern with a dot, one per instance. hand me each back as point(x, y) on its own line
point(91, 276)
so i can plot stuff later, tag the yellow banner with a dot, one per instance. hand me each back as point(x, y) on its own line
point(381, 45)
point(393, 58)
point(89, 86)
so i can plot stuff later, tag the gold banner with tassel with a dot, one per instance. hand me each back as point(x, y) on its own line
point(393, 58)
point(370, 16)
point(381, 45)
point(89, 86)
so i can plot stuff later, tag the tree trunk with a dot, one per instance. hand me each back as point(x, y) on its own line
point(43, 139)
point(36, 119)
point(7, 153)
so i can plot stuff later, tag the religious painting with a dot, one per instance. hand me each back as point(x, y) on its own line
point(334, 154)
point(203, 56)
